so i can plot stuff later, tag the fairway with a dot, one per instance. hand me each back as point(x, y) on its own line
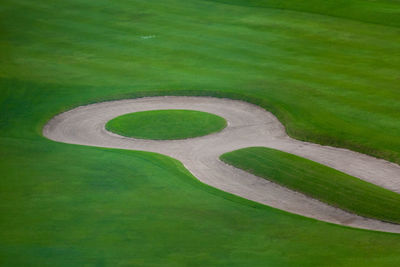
point(327, 70)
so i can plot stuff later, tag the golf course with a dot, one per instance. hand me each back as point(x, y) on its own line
point(200, 133)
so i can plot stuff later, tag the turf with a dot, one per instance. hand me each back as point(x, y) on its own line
point(102, 207)
point(166, 124)
point(329, 80)
point(318, 181)
point(383, 12)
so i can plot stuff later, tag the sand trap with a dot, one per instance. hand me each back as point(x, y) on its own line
point(248, 125)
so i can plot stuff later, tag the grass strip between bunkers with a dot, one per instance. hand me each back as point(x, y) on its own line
point(166, 124)
point(318, 181)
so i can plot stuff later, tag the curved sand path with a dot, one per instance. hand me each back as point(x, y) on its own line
point(248, 125)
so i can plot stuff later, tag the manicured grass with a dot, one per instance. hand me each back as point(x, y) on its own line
point(68, 205)
point(329, 80)
point(318, 181)
point(385, 12)
point(166, 124)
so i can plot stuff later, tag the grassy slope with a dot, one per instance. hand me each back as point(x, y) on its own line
point(383, 12)
point(318, 181)
point(113, 207)
point(285, 61)
point(70, 204)
point(166, 124)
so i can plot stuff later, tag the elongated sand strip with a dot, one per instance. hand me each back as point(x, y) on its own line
point(248, 125)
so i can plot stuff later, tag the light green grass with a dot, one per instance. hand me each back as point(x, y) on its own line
point(318, 181)
point(328, 79)
point(166, 124)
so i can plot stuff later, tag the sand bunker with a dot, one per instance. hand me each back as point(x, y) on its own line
point(248, 125)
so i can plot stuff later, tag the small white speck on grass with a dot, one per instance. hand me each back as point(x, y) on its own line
point(145, 37)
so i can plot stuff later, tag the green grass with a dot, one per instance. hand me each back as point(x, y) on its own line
point(68, 205)
point(318, 181)
point(384, 12)
point(330, 80)
point(166, 124)
point(283, 60)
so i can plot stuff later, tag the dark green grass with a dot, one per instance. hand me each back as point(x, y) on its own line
point(166, 124)
point(318, 181)
point(329, 80)
point(384, 12)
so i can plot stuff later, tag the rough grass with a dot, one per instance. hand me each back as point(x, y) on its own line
point(166, 124)
point(329, 80)
point(318, 181)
